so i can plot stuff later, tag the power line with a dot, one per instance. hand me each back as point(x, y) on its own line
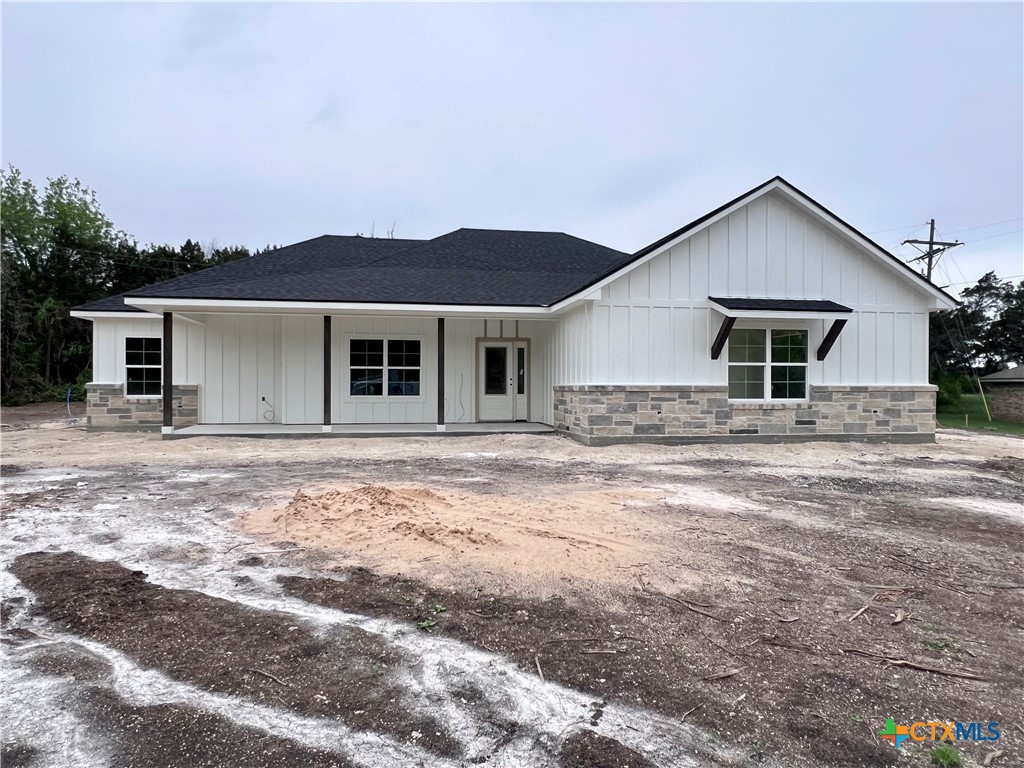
point(894, 229)
point(969, 282)
point(992, 237)
point(985, 226)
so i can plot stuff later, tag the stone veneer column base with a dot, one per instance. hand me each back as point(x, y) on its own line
point(608, 414)
point(107, 409)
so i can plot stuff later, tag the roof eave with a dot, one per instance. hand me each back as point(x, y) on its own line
point(941, 299)
point(158, 305)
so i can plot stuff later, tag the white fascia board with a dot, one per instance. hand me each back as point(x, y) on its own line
point(158, 305)
point(940, 299)
point(769, 314)
point(590, 289)
point(754, 314)
point(86, 314)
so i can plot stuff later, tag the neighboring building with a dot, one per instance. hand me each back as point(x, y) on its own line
point(769, 318)
point(1005, 391)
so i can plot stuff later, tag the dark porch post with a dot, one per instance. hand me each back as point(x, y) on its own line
point(168, 371)
point(327, 370)
point(440, 374)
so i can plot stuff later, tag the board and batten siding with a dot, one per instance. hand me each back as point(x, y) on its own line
point(258, 369)
point(460, 352)
point(346, 409)
point(263, 369)
point(654, 325)
point(108, 347)
point(243, 366)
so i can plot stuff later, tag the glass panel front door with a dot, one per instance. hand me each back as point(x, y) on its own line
point(496, 370)
point(496, 378)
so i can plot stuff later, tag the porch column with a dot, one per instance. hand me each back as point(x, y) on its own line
point(167, 387)
point(327, 373)
point(440, 374)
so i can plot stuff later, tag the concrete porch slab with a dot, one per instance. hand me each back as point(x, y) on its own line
point(355, 430)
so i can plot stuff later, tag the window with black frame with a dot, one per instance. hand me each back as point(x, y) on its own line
point(384, 367)
point(143, 366)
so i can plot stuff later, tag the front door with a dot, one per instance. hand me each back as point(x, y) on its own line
point(497, 379)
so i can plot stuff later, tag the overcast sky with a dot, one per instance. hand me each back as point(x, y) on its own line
point(259, 124)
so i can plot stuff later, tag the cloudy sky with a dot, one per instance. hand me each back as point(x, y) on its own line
point(259, 124)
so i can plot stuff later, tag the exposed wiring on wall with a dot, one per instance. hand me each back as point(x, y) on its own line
point(462, 407)
point(269, 414)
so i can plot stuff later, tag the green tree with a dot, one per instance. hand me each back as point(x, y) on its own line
point(983, 333)
point(58, 250)
point(1006, 334)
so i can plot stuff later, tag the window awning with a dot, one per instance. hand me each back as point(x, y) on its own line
point(789, 309)
point(735, 308)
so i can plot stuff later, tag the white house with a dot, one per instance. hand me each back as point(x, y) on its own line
point(767, 319)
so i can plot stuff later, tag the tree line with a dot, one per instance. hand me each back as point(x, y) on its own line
point(983, 334)
point(58, 250)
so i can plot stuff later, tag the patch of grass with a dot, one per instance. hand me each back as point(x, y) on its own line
point(427, 624)
point(972, 407)
point(946, 756)
point(937, 643)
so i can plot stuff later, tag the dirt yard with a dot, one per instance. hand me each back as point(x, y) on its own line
point(504, 600)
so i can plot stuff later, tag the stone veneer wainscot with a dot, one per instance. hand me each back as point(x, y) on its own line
point(605, 415)
point(108, 408)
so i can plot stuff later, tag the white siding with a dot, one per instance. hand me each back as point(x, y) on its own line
point(542, 396)
point(654, 326)
point(108, 335)
point(238, 360)
point(243, 361)
point(346, 409)
point(460, 350)
point(571, 348)
point(302, 349)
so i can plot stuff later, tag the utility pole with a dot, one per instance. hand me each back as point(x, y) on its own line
point(935, 249)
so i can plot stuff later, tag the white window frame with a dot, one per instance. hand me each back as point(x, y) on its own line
point(159, 368)
point(767, 365)
point(384, 369)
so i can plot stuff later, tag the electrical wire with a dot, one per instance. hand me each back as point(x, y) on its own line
point(894, 229)
point(985, 226)
point(992, 237)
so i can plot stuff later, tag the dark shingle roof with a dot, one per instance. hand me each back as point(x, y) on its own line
point(780, 305)
point(468, 266)
point(1005, 376)
point(109, 304)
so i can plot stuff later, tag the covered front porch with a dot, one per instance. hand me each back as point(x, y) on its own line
point(354, 373)
point(358, 430)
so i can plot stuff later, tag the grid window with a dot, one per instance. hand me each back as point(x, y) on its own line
point(746, 382)
point(143, 366)
point(767, 365)
point(746, 345)
point(369, 376)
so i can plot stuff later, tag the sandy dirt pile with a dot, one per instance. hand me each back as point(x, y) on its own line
point(537, 545)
